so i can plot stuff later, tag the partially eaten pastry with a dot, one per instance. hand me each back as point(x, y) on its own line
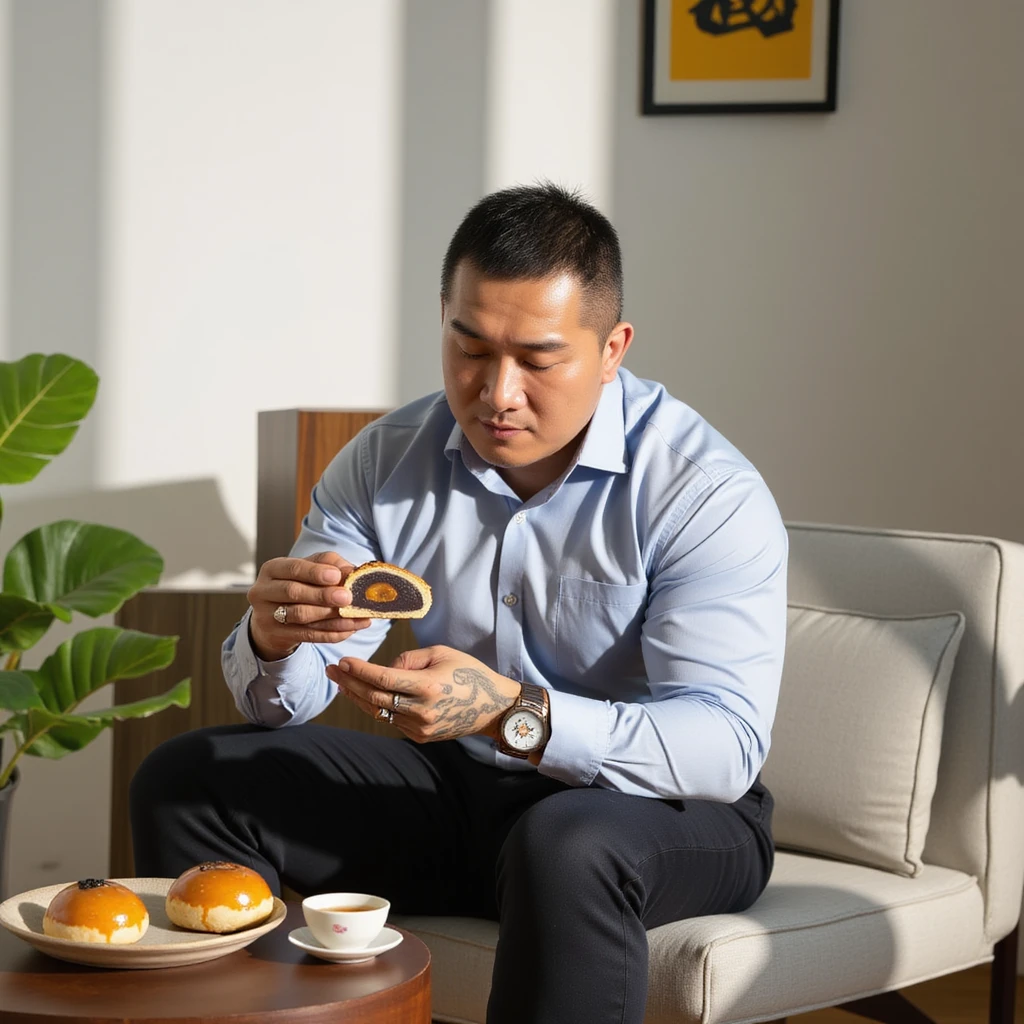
point(384, 591)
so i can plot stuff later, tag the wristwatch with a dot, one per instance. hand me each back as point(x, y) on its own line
point(523, 729)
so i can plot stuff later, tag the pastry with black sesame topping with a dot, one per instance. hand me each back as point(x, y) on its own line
point(218, 896)
point(96, 910)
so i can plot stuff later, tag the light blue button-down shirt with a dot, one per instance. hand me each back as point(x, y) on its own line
point(645, 589)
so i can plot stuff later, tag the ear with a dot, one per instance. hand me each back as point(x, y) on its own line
point(442, 310)
point(615, 346)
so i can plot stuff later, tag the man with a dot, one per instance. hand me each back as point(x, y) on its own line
point(591, 701)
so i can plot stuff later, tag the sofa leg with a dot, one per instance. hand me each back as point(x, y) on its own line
point(1003, 992)
point(889, 1008)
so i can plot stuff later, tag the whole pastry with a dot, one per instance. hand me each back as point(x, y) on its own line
point(96, 910)
point(218, 896)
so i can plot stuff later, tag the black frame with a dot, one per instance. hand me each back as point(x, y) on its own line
point(827, 105)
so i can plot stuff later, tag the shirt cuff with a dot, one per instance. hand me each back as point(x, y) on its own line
point(250, 664)
point(580, 735)
point(267, 683)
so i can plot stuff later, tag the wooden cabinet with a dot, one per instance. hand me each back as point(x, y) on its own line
point(294, 447)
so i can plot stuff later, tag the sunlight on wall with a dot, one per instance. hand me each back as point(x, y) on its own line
point(551, 85)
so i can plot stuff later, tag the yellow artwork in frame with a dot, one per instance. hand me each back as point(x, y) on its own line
point(740, 56)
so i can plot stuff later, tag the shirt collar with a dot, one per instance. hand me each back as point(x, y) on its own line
point(454, 442)
point(604, 445)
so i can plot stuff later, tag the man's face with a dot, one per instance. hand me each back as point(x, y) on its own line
point(522, 377)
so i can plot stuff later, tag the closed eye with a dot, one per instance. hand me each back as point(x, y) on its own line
point(484, 355)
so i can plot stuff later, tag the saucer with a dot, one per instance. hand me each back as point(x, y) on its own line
point(386, 939)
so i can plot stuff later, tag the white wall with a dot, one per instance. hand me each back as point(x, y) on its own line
point(839, 294)
point(551, 87)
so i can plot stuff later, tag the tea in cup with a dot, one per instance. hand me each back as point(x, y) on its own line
point(345, 920)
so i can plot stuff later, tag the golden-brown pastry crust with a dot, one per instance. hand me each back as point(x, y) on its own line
point(381, 590)
point(218, 896)
point(96, 910)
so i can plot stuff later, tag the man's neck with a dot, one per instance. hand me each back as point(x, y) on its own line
point(527, 481)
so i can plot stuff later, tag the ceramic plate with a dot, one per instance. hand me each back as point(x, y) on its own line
point(163, 945)
point(387, 939)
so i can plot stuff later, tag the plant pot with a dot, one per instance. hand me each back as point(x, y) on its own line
point(6, 800)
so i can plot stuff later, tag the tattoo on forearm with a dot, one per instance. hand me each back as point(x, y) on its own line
point(461, 714)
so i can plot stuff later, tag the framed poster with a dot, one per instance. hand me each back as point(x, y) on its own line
point(739, 56)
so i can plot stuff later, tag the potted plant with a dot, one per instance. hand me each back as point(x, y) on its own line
point(57, 570)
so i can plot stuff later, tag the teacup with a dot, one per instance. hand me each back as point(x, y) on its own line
point(345, 920)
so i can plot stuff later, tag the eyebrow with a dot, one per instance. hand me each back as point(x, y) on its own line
point(534, 346)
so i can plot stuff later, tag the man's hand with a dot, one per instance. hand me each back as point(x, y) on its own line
point(307, 589)
point(442, 693)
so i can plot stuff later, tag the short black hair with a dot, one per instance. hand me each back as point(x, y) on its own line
point(534, 231)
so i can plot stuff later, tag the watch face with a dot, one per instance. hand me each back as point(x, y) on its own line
point(523, 731)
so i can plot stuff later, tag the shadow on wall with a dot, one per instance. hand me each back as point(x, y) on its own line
point(186, 521)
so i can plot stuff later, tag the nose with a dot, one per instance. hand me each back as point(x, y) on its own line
point(502, 388)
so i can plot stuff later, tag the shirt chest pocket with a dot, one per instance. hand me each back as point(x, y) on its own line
point(597, 629)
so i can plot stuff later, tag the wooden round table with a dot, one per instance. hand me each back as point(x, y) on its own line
point(271, 980)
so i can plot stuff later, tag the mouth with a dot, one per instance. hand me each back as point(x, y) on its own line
point(501, 431)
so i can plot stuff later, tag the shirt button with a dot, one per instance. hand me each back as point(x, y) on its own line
point(510, 599)
point(520, 517)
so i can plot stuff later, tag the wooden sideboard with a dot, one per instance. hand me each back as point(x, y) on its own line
point(294, 447)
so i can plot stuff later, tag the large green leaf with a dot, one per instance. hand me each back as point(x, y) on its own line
point(54, 735)
point(42, 401)
point(95, 657)
point(80, 666)
point(83, 567)
point(22, 623)
point(18, 692)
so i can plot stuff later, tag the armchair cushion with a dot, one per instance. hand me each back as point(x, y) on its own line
point(855, 744)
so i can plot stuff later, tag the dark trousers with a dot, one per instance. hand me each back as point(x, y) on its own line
point(574, 876)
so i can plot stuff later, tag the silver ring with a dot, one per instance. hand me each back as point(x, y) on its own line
point(281, 613)
point(396, 699)
point(385, 715)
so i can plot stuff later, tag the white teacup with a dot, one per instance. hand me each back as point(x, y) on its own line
point(345, 920)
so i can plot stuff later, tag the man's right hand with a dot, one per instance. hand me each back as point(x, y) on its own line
point(308, 590)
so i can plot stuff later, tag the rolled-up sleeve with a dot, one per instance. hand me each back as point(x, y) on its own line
point(295, 689)
point(713, 642)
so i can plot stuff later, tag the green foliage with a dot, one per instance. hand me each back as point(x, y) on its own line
point(63, 568)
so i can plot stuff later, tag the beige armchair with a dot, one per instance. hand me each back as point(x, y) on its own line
point(882, 886)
